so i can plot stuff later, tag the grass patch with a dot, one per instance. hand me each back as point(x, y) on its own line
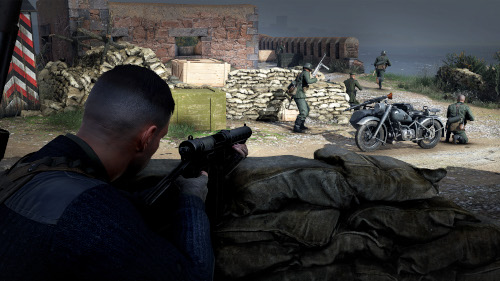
point(419, 84)
point(67, 121)
point(182, 131)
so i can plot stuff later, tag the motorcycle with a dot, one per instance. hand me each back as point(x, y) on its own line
point(385, 123)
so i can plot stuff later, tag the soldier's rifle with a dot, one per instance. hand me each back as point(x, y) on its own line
point(318, 67)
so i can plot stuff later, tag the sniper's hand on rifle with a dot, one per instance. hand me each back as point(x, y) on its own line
point(194, 186)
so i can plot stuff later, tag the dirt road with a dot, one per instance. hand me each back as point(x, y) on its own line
point(473, 179)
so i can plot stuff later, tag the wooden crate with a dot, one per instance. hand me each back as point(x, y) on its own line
point(205, 109)
point(209, 72)
point(267, 55)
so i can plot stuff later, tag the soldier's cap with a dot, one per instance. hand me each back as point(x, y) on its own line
point(352, 73)
point(383, 53)
point(308, 66)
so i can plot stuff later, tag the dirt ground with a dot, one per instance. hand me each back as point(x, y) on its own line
point(472, 181)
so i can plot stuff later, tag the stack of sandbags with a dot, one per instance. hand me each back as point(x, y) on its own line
point(343, 216)
point(346, 216)
point(65, 88)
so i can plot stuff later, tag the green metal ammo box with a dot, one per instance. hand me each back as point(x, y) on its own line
point(205, 109)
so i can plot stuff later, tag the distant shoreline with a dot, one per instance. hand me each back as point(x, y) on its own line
point(421, 61)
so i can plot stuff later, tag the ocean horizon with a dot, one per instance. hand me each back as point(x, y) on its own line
point(421, 61)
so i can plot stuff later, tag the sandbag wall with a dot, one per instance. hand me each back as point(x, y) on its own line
point(64, 88)
point(260, 94)
point(347, 216)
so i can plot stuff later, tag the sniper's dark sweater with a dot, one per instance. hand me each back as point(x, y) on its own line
point(66, 226)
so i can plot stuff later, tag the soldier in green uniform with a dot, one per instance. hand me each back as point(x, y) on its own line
point(280, 49)
point(461, 112)
point(350, 87)
point(381, 63)
point(303, 81)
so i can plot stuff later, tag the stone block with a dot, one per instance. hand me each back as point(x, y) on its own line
point(253, 57)
point(119, 32)
point(96, 25)
point(252, 17)
point(252, 30)
point(98, 4)
point(188, 32)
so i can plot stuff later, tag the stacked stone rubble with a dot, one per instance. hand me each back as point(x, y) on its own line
point(260, 94)
point(66, 88)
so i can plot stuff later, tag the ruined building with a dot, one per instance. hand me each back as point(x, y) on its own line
point(312, 49)
point(225, 32)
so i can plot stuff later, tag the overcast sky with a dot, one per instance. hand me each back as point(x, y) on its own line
point(379, 22)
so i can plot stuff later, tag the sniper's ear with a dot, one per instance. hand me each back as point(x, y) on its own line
point(145, 137)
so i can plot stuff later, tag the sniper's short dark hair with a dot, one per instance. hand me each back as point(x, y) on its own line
point(128, 97)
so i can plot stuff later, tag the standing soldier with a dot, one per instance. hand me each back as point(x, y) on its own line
point(350, 87)
point(458, 114)
point(381, 63)
point(303, 81)
point(280, 49)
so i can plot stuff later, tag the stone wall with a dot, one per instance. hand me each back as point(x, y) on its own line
point(260, 94)
point(226, 32)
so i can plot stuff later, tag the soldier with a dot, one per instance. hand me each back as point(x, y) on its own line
point(461, 113)
point(381, 63)
point(280, 49)
point(350, 87)
point(303, 81)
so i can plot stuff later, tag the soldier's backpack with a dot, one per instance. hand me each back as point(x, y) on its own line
point(292, 88)
point(12, 179)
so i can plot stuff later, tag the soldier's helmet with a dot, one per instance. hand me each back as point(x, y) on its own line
point(308, 66)
point(383, 53)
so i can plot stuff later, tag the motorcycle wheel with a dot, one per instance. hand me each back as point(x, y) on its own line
point(365, 132)
point(431, 136)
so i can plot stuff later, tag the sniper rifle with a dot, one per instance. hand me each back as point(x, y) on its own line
point(213, 154)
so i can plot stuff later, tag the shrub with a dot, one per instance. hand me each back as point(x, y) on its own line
point(489, 73)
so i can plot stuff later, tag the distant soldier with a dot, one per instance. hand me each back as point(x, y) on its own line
point(280, 49)
point(381, 63)
point(458, 114)
point(350, 87)
point(303, 81)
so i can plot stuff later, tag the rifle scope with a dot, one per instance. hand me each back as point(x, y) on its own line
point(191, 147)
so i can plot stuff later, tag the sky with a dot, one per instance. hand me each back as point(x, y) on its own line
point(378, 23)
point(423, 31)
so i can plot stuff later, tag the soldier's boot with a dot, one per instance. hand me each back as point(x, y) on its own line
point(302, 126)
point(296, 127)
point(380, 84)
point(447, 139)
point(456, 139)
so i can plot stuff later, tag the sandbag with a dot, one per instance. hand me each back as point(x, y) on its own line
point(382, 178)
point(469, 245)
point(342, 272)
point(414, 221)
point(347, 246)
point(266, 184)
point(238, 260)
point(309, 225)
point(490, 272)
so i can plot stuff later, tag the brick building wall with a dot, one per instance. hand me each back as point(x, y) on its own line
point(226, 32)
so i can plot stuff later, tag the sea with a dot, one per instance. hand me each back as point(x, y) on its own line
point(422, 61)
